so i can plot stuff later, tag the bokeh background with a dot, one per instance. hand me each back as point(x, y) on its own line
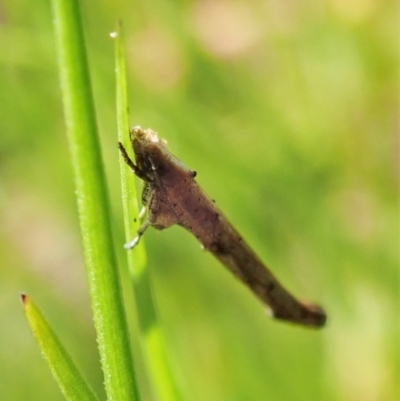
point(288, 111)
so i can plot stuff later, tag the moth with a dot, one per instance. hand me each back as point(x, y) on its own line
point(171, 196)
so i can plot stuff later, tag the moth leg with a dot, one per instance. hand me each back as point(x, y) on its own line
point(136, 170)
point(140, 232)
point(142, 212)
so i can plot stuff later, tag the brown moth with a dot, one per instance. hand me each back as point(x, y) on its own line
point(172, 196)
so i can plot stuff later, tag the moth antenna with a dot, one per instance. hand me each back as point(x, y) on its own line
point(136, 170)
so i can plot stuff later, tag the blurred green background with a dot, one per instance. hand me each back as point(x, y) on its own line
point(288, 111)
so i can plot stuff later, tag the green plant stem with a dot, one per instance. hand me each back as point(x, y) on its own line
point(152, 338)
point(93, 209)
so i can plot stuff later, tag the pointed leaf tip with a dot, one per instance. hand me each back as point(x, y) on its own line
point(24, 298)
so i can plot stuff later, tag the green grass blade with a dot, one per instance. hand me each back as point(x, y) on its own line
point(151, 334)
point(93, 207)
point(70, 381)
point(129, 193)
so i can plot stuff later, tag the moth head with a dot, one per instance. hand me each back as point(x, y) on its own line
point(152, 155)
point(150, 150)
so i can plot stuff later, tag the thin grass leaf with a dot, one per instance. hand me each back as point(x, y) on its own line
point(70, 381)
point(129, 193)
point(156, 355)
point(93, 206)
